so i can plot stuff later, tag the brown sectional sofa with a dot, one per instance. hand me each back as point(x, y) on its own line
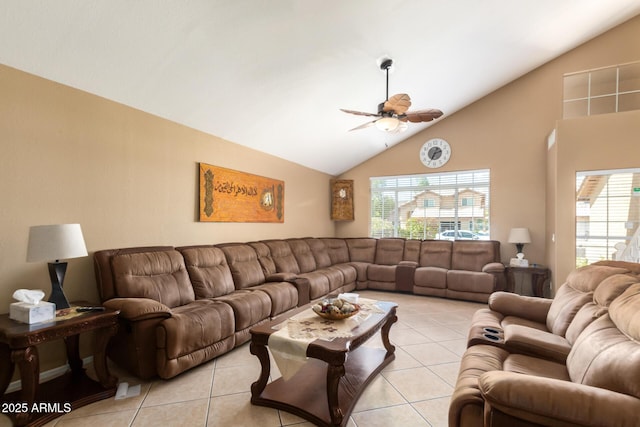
point(180, 307)
point(573, 360)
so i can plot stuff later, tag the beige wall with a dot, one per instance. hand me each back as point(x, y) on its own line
point(127, 177)
point(506, 132)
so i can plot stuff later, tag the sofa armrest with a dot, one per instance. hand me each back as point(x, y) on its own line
point(548, 401)
point(138, 308)
point(531, 308)
point(412, 264)
point(493, 268)
point(526, 340)
point(281, 277)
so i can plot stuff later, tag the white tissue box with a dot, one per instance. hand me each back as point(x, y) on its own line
point(517, 262)
point(352, 298)
point(32, 313)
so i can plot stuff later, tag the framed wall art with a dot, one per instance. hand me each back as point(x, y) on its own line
point(342, 200)
point(227, 195)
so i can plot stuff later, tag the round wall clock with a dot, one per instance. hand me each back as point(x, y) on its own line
point(435, 153)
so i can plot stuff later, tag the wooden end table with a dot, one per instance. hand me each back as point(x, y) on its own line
point(539, 277)
point(325, 390)
point(36, 404)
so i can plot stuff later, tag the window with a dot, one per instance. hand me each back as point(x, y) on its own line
point(423, 206)
point(607, 214)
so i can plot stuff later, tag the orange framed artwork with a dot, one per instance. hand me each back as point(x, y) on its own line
point(228, 195)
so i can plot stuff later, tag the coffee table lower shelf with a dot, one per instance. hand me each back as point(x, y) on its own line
point(305, 394)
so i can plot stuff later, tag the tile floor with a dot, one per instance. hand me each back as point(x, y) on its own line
point(413, 390)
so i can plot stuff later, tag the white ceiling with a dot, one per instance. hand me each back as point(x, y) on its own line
point(272, 74)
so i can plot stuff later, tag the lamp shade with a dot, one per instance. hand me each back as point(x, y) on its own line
point(55, 242)
point(519, 235)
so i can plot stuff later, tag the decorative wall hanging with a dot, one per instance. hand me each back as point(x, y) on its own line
point(227, 195)
point(342, 200)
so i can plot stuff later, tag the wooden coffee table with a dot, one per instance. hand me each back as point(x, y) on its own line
point(325, 390)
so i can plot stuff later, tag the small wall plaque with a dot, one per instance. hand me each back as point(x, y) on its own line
point(342, 200)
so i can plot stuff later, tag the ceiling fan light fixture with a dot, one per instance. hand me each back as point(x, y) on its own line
point(387, 124)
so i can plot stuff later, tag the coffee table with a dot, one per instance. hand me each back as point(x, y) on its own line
point(325, 390)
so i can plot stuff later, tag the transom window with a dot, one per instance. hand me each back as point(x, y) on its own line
point(425, 206)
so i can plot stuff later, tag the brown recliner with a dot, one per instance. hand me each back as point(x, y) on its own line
point(545, 327)
point(599, 385)
point(152, 290)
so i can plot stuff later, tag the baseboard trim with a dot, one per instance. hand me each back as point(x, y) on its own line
point(47, 375)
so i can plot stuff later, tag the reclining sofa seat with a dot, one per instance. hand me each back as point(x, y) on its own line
point(211, 278)
point(599, 384)
point(160, 319)
point(248, 273)
point(476, 271)
point(434, 261)
point(324, 260)
point(308, 263)
point(545, 327)
point(362, 252)
point(381, 275)
point(285, 263)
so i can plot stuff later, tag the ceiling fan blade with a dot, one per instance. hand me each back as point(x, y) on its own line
point(360, 113)
point(366, 125)
point(423, 115)
point(398, 103)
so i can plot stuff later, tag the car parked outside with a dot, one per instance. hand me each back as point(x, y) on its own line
point(457, 235)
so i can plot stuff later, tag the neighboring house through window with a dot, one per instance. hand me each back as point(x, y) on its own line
point(422, 206)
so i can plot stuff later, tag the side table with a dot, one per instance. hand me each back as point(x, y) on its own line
point(539, 277)
point(37, 404)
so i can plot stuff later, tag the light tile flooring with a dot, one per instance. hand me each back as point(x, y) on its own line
point(413, 390)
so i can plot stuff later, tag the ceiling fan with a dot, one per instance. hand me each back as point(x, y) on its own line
point(392, 114)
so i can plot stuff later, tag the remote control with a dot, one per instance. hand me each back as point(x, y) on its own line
point(83, 309)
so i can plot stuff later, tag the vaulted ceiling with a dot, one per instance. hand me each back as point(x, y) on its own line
point(273, 74)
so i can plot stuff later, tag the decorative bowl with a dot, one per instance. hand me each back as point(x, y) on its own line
point(324, 310)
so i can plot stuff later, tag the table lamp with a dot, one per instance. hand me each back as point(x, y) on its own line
point(519, 236)
point(53, 243)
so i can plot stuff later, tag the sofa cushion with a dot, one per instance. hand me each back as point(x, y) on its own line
point(610, 288)
point(361, 249)
point(320, 252)
point(473, 255)
point(160, 275)
point(412, 250)
point(303, 255)
point(470, 281)
point(607, 352)
point(389, 251)
point(249, 307)
point(264, 257)
point(337, 249)
point(318, 284)
point(209, 272)
point(244, 265)
point(282, 256)
point(435, 253)
point(576, 292)
point(194, 326)
point(430, 277)
point(283, 295)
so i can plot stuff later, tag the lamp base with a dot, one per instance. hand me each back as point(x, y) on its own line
point(57, 271)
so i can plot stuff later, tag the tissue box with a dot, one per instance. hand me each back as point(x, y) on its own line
point(32, 313)
point(352, 298)
point(517, 262)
